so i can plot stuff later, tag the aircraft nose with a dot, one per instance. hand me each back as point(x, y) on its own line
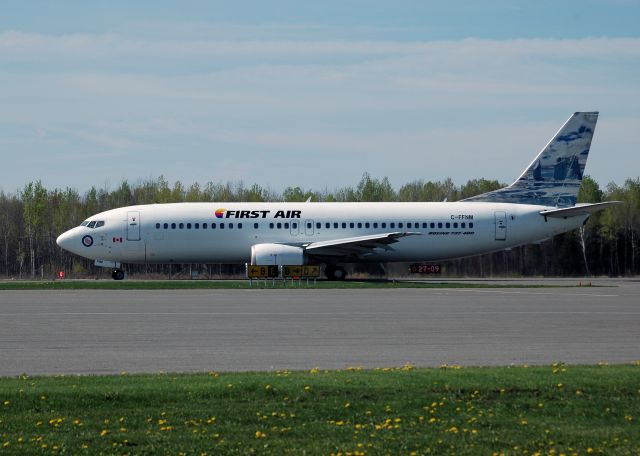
point(63, 240)
point(68, 240)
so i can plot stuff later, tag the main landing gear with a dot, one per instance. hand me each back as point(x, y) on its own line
point(335, 272)
point(117, 274)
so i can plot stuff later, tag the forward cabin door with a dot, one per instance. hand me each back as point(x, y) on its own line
point(133, 226)
point(501, 225)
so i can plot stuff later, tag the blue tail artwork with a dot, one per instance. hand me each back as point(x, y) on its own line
point(554, 176)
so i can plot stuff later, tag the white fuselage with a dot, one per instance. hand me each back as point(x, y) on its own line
point(194, 233)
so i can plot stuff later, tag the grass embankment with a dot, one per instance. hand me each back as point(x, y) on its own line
point(244, 284)
point(539, 410)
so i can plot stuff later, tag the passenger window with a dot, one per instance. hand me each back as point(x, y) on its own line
point(335, 225)
point(239, 226)
point(230, 226)
point(384, 224)
point(204, 226)
point(447, 225)
point(99, 224)
point(408, 224)
point(327, 225)
point(400, 225)
point(271, 225)
point(455, 224)
point(173, 226)
point(433, 225)
point(424, 225)
point(309, 225)
point(91, 225)
point(463, 225)
point(286, 225)
point(294, 225)
point(344, 224)
point(196, 226)
point(470, 224)
point(279, 225)
point(165, 226)
point(367, 225)
point(359, 225)
point(213, 226)
point(157, 226)
point(181, 225)
point(375, 224)
point(392, 225)
point(255, 226)
point(318, 225)
point(439, 224)
point(188, 226)
point(222, 226)
point(351, 225)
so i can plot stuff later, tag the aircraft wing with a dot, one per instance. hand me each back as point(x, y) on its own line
point(578, 209)
point(356, 247)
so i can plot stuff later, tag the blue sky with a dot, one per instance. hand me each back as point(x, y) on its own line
point(310, 93)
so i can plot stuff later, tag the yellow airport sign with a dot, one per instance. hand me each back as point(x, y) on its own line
point(301, 271)
point(262, 272)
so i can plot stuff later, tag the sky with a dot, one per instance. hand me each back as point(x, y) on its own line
point(308, 93)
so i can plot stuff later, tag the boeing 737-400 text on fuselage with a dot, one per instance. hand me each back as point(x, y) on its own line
point(538, 205)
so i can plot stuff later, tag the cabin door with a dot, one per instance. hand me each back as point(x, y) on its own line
point(501, 225)
point(133, 226)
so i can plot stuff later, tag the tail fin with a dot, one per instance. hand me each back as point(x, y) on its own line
point(555, 175)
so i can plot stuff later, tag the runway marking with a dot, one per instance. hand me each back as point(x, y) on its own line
point(307, 314)
point(537, 293)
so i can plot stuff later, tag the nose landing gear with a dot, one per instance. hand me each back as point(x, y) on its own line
point(117, 274)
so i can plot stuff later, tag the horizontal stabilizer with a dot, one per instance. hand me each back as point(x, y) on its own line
point(580, 209)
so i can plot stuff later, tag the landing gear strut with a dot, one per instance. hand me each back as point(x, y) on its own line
point(117, 274)
point(335, 273)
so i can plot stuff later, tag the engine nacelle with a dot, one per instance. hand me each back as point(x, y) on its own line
point(276, 255)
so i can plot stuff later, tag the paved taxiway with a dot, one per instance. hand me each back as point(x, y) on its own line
point(199, 330)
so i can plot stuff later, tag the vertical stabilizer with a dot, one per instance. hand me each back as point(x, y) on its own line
point(555, 175)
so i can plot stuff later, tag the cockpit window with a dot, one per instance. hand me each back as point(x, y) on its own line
point(91, 224)
point(85, 223)
point(99, 224)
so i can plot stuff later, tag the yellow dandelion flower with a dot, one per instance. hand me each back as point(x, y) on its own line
point(260, 435)
point(5, 403)
point(104, 433)
point(307, 388)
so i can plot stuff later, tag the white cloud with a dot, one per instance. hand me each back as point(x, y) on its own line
point(414, 109)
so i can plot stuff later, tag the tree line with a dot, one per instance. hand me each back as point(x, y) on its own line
point(33, 217)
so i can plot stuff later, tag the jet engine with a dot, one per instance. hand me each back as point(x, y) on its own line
point(277, 254)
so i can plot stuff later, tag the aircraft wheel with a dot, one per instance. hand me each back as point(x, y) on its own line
point(335, 273)
point(117, 274)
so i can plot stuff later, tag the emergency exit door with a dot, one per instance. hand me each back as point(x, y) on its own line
point(133, 226)
point(501, 225)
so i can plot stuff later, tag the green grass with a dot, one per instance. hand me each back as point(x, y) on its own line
point(244, 284)
point(519, 410)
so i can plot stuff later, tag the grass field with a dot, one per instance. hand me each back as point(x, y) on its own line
point(519, 410)
point(244, 284)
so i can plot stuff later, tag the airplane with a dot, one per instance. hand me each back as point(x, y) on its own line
point(538, 205)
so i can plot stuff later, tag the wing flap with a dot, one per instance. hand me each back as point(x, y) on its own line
point(358, 246)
